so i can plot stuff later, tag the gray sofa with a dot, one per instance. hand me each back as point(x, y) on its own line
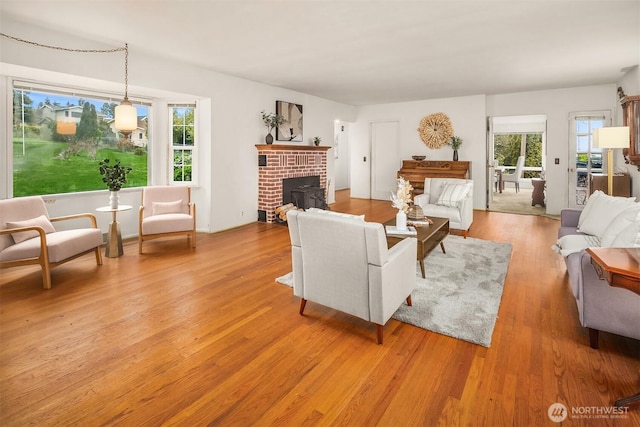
point(600, 307)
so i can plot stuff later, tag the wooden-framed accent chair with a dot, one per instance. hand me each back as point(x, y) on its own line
point(28, 236)
point(342, 262)
point(166, 211)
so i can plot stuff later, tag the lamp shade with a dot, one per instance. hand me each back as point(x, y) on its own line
point(126, 117)
point(65, 127)
point(611, 137)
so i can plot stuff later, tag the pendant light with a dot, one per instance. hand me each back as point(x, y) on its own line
point(126, 115)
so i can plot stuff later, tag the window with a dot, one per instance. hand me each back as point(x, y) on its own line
point(183, 142)
point(60, 136)
point(588, 159)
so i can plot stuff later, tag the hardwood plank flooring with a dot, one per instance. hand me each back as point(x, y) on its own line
point(205, 336)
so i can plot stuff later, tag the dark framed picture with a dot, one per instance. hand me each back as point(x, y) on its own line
point(291, 127)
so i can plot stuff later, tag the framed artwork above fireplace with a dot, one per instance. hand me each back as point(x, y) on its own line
point(291, 127)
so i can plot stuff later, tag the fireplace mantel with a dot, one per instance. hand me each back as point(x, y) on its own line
point(287, 147)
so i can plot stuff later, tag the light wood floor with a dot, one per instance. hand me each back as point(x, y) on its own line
point(207, 337)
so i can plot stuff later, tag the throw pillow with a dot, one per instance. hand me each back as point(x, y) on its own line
point(599, 213)
point(41, 221)
point(452, 195)
point(162, 208)
point(623, 220)
point(572, 243)
point(591, 201)
point(629, 237)
point(337, 214)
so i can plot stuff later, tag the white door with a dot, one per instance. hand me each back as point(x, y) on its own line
point(385, 160)
point(583, 157)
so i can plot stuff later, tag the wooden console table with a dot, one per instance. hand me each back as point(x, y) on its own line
point(415, 171)
point(621, 268)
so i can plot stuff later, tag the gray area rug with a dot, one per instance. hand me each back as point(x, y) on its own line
point(461, 294)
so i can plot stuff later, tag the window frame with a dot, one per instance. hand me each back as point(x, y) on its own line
point(72, 92)
point(172, 148)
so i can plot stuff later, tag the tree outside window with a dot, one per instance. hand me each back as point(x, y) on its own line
point(47, 160)
point(183, 142)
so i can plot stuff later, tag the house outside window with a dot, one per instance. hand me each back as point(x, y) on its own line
point(183, 142)
point(49, 160)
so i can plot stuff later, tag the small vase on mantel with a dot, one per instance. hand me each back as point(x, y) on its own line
point(401, 220)
point(114, 199)
point(455, 155)
point(268, 139)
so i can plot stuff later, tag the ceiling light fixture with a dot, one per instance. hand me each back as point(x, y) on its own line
point(126, 115)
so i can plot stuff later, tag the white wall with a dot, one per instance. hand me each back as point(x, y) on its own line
point(467, 115)
point(556, 105)
point(228, 191)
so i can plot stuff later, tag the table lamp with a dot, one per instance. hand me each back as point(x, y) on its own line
point(611, 137)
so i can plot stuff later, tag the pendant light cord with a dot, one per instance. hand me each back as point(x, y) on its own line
point(66, 49)
point(124, 49)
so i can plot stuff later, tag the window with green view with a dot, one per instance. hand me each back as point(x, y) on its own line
point(183, 142)
point(60, 136)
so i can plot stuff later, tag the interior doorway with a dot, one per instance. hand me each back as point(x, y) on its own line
point(341, 155)
point(510, 189)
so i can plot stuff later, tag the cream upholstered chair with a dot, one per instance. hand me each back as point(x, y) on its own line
point(516, 176)
point(166, 211)
point(342, 262)
point(27, 236)
point(450, 198)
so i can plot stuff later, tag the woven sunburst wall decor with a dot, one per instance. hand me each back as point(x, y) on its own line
point(435, 130)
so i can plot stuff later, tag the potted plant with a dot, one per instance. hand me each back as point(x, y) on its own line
point(316, 140)
point(115, 176)
point(271, 120)
point(455, 142)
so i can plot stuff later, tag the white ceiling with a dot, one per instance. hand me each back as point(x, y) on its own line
point(367, 52)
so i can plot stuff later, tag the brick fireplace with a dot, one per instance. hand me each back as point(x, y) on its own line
point(277, 162)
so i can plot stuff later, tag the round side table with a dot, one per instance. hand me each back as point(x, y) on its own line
point(114, 239)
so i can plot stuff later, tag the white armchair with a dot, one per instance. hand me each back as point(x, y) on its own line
point(342, 262)
point(166, 211)
point(450, 198)
point(516, 176)
point(27, 236)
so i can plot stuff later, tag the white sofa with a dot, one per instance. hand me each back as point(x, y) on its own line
point(342, 262)
point(450, 198)
point(605, 221)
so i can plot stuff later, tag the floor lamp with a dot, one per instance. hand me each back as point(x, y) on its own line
point(610, 138)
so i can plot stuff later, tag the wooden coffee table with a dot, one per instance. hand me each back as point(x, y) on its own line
point(428, 237)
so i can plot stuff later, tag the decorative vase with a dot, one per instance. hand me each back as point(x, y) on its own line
point(455, 155)
point(113, 200)
point(268, 139)
point(401, 220)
